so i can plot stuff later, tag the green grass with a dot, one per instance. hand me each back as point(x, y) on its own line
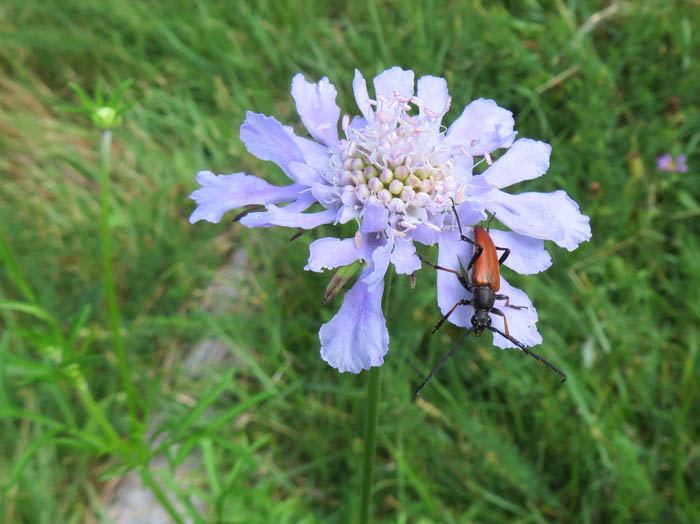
point(278, 432)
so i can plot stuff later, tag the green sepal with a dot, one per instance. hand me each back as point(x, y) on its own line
point(342, 276)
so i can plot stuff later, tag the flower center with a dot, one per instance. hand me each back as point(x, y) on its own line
point(397, 160)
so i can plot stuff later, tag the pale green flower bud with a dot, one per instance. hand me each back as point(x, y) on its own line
point(106, 117)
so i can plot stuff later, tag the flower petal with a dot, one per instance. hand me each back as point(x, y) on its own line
point(315, 155)
point(221, 193)
point(380, 248)
point(358, 123)
point(359, 87)
point(548, 216)
point(451, 252)
point(525, 160)
point(432, 92)
point(291, 215)
point(317, 108)
point(470, 213)
point(426, 235)
point(266, 138)
point(482, 127)
point(527, 255)
point(404, 257)
point(393, 81)
point(305, 174)
point(329, 253)
point(375, 218)
point(346, 214)
point(475, 188)
point(356, 338)
point(521, 322)
point(327, 195)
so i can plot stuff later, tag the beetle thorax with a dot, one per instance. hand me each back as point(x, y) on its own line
point(483, 300)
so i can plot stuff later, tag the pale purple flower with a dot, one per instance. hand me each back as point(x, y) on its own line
point(666, 162)
point(395, 172)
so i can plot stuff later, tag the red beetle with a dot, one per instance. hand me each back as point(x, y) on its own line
point(485, 281)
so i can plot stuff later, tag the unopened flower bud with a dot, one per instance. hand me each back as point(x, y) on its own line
point(401, 172)
point(395, 161)
point(396, 187)
point(357, 164)
point(407, 194)
point(386, 176)
point(375, 185)
point(106, 117)
point(384, 196)
point(345, 178)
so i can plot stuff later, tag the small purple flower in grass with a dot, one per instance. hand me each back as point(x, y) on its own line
point(666, 163)
point(395, 172)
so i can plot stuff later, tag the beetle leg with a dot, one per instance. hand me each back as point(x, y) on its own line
point(477, 253)
point(505, 254)
point(498, 312)
point(478, 249)
point(508, 304)
point(460, 277)
point(462, 302)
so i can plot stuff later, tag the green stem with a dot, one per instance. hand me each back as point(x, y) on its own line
point(97, 414)
point(375, 377)
point(372, 414)
point(148, 479)
point(110, 290)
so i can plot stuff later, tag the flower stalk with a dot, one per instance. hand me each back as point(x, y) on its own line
point(371, 422)
point(110, 289)
point(372, 414)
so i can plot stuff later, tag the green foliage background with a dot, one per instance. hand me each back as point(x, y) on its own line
point(611, 85)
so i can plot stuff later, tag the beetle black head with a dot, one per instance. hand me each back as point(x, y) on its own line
point(480, 321)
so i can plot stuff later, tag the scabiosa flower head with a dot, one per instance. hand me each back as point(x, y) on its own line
point(394, 171)
point(666, 162)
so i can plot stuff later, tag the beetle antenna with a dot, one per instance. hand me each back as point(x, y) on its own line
point(454, 210)
point(488, 222)
point(439, 365)
point(534, 355)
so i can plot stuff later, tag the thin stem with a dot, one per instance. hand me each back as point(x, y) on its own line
point(148, 479)
point(375, 377)
point(110, 290)
point(95, 410)
point(372, 414)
